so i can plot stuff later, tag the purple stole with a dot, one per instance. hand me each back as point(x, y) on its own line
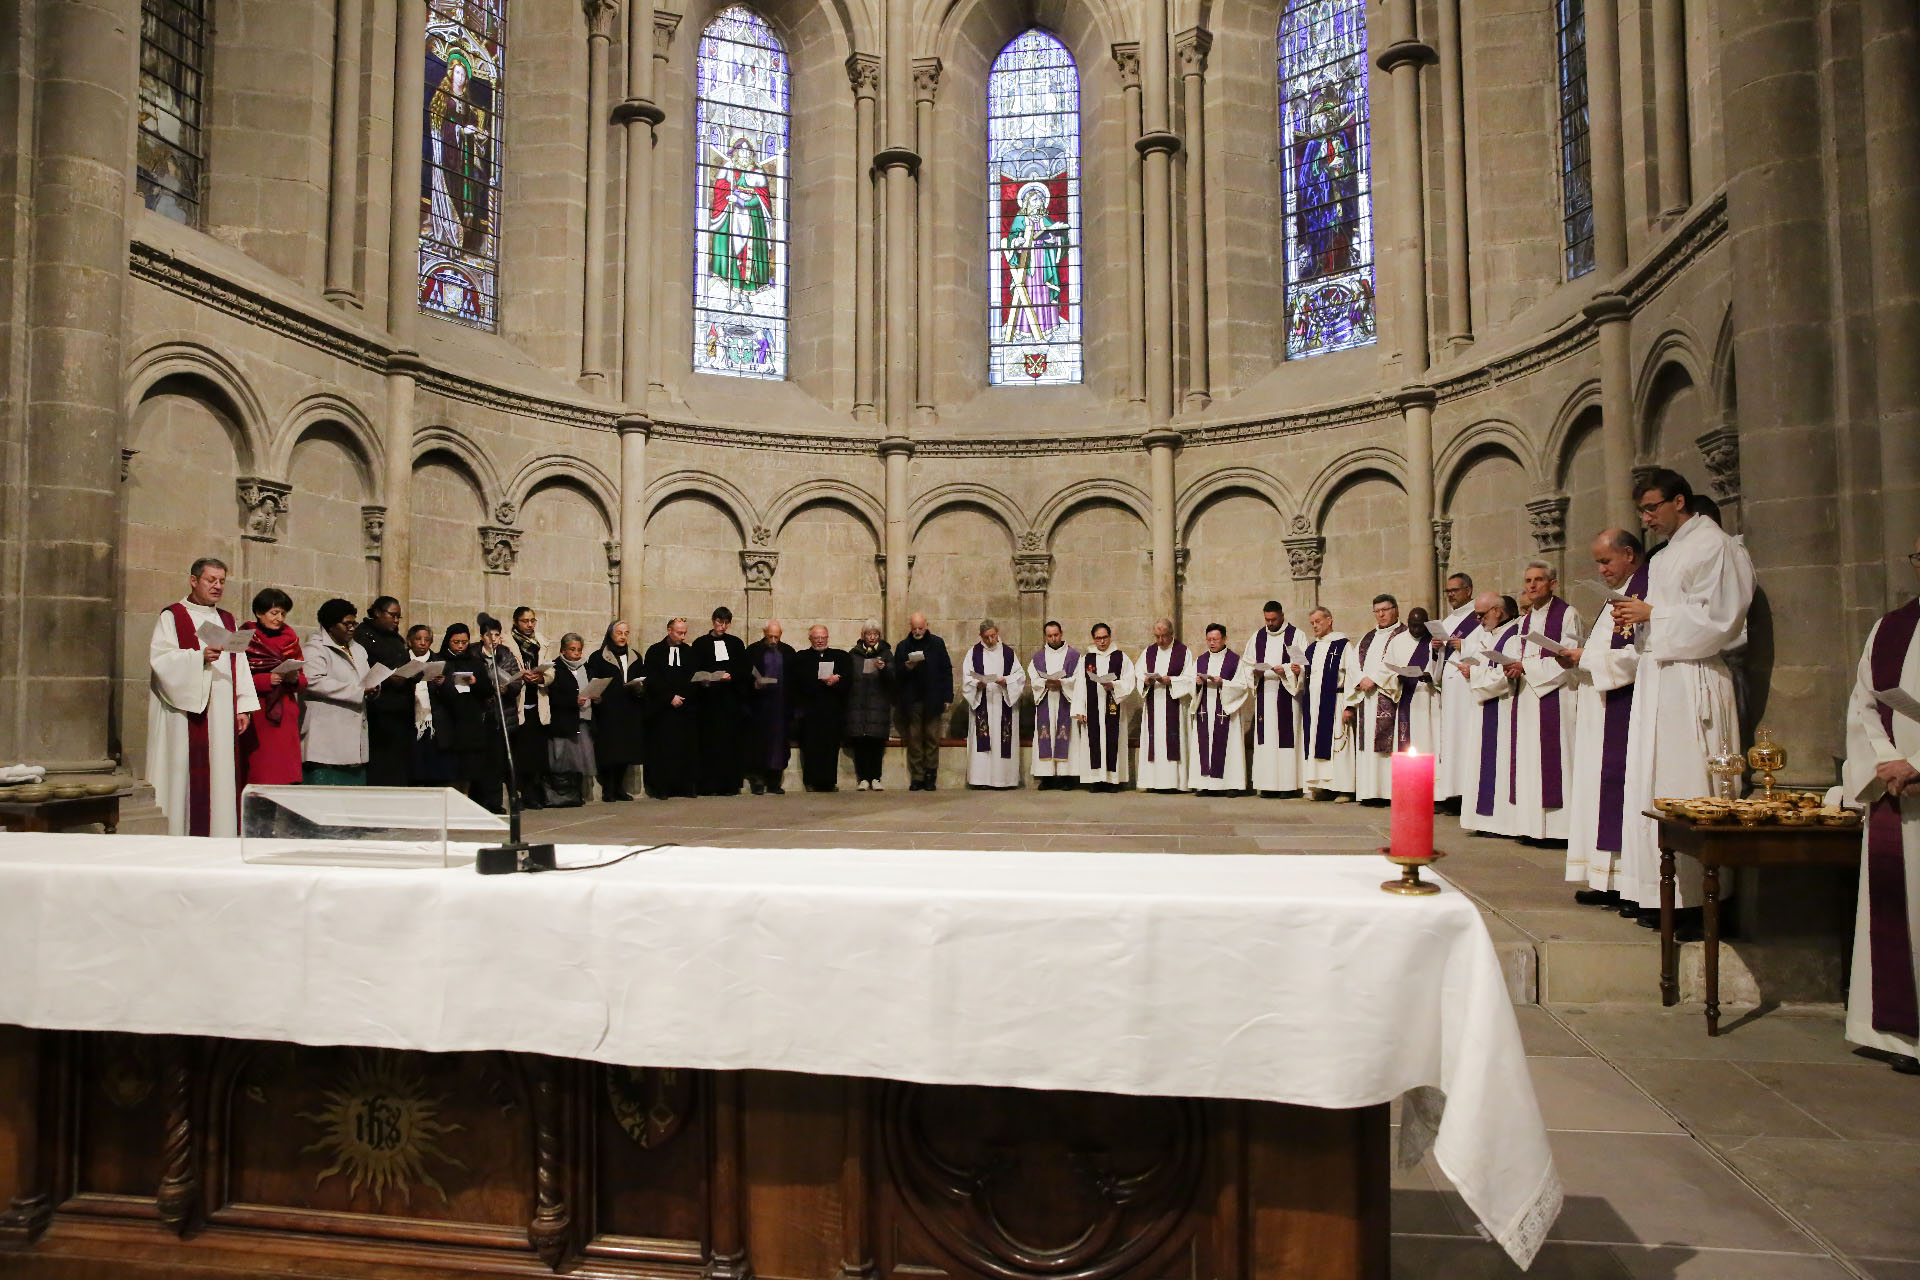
point(1490, 738)
point(1210, 727)
point(1895, 1008)
point(1321, 720)
point(1050, 739)
point(1101, 695)
point(1550, 796)
point(1467, 624)
point(1613, 735)
point(982, 721)
point(199, 758)
point(1283, 732)
point(1383, 706)
point(1403, 735)
point(1163, 700)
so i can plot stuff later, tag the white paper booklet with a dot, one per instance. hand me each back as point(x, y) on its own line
point(410, 668)
point(1545, 642)
point(1901, 701)
point(826, 670)
point(869, 666)
point(597, 686)
point(288, 667)
point(917, 657)
point(380, 672)
point(214, 636)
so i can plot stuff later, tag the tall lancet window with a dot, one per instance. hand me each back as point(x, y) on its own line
point(460, 160)
point(741, 116)
point(173, 49)
point(1576, 153)
point(1326, 152)
point(1033, 214)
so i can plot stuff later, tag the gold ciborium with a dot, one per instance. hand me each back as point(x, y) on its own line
point(1767, 757)
point(1725, 766)
point(1410, 881)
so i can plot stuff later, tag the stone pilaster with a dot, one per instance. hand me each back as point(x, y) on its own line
point(1126, 61)
point(640, 114)
point(899, 167)
point(634, 430)
point(1453, 162)
point(1156, 145)
point(895, 454)
point(343, 170)
point(1613, 326)
point(1190, 52)
point(863, 76)
point(1672, 147)
point(1161, 445)
point(926, 83)
point(602, 17)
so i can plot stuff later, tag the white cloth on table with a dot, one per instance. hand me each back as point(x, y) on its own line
point(184, 684)
point(1459, 730)
point(996, 762)
point(1279, 978)
point(1217, 724)
point(1276, 714)
point(1097, 706)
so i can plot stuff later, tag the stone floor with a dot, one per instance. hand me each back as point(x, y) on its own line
point(1773, 1152)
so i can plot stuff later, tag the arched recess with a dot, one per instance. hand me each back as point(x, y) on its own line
point(1484, 501)
point(966, 493)
point(723, 493)
point(1673, 353)
point(1214, 484)
point(184, 363)
point(1496, 434)
point(1362, 518)
point(1344, 471)
point(1676, 415)
point(1460, 467)
point(472, 459)
point(834, 492)
point(1081, 493)
point(1571, 420)
point(342, 417)
point(559, 468)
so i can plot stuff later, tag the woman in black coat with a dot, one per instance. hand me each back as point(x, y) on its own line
point(870, 705)
point(617, 736)
point(462, 725)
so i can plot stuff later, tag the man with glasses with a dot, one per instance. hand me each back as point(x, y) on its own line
point(1458, 722)
point(1698, 590)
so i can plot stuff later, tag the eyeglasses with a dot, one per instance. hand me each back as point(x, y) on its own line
point(1648, 508)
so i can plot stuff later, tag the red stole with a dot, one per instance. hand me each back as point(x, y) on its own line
point(199, 769)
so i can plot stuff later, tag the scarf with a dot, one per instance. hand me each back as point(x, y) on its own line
point(186, 634)
point(1385, 710)
point(1163, 701)
point(1321, 720)
point(1490, 736)
point(982, 737)
point(1103, 746)
point(1210, 718)
point(1550, 774)
point(1613, 735)
point(577, 668)
point(1283, 731)
point(1052, 720)
point(265, 651)
point(1422, 653)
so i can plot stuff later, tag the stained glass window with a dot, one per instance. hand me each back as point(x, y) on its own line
point(741, 118)
point(173, 45)
point(1033, 214)
point(1326, 149)
point(1576, 154)
point(461, 157)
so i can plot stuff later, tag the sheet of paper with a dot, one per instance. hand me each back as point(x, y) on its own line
point(288, 667)
point(702, 677)
point(463, 680)
point(1545, 642)
point(719, 650)
point(915, 658)
point(410, 668)
point(1406, 673)
point(597, 686)
point(1902, 702)
point(761, 680)
point(434, 670)
point(214, 636)
point(826, 670)
point(637, 683)
point(1104, 679)
point(869, 666)
point(373, 678)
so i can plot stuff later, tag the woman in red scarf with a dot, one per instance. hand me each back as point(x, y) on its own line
point(270, 749)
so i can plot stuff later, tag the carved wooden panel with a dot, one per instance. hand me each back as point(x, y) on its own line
point(120, 1112)
point(648, 1132)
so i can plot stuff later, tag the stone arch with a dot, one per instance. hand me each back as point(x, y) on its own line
point(326, 409)
point(837, 493)
point(1087, 27)
point(560, 468)
point(1494, 435)
point(472, 459)
point(1674, 350)
point(966, 493)
point(1568, 426)
point(1344, 470)
point(1262, 484)
point(721, 492)
point(185, 362)
point(1085, 492)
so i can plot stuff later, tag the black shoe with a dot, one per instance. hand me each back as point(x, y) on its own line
point(1629, 908)
point(533, 804)
point(1905, 1064)
point(1596, 897)
point(776, 791)
point(929, 786)
point(915, 785)
point(759, 788)
point(1687, 923)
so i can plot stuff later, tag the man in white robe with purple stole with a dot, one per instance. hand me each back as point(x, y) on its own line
point(1699, 587)
point(201, 698)
point(1410, 661)
point(992, 680)
point(1326, 756)
point(1540, 773)
point(1101, 697)
point(1604, 694)
point(1373, 693)
point(1051, 669)
point(1165, 676)
point(1495, 668)
point(1882, 772)
point(1457, 707)
point(1217, 729)
point(1275, 653)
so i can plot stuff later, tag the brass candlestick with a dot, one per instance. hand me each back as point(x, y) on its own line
point(1767, 757)
point(1410, 882)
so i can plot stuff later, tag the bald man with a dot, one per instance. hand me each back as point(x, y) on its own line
point(772, 666)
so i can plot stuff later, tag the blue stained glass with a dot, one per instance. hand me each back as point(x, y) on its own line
point(1576, 155)
point(741, 122)
point(1034, 312)
point(460, 154)
point(1326, 149)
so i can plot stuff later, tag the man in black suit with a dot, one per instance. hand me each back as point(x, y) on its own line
point(924, 677)
point(820, 706)
point(772, 668)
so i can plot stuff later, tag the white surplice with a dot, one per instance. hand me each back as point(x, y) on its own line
point(1100, 717)
point(1485, 807)
point(1326, 754)
point(1367, 660)
point(183, 684)
point(1418, 703)
point(1222, 711)
point(1459, 730)
point(1052, 752)
point(1700, 585)
point(994, 763)
point(1543, 683)
point(1604, 672)
point(1868, 747)
point(1276, 705)
point(1163, 761)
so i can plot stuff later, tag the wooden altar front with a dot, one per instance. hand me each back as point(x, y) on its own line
point(162, 1156)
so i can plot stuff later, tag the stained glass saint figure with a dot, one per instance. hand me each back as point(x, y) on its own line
point(1034, 248)
point(460, 155)
point(740, 220)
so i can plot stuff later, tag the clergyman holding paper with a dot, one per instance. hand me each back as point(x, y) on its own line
point(200, 704)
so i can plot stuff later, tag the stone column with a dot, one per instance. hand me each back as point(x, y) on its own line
point(1032, 576)
point(899, 165)
point(1161, 443)
point(1191, 49)
point(638, 114)
point(601, 15)
point(634, 430)
point(1612, 321)
point(58, 698)
point(1305, 554)
point(344, 163)
point(1126, 58)
point(1453, 160)
point(1416, 416)
point(1608, 311)
point(665, 24)
point(863, 73)
point(1672, 147)
point(895, 453)
point(1784, 365)
point(403, 293)
point(1890, 46)
point(926, 82)
point(1156, 147)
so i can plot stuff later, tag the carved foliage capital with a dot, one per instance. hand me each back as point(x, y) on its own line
point(1442, 541)
point(1126, 58)
point(602, 17)
point(1190, 49)
point(664, 25)
point(613, 560)
point(863, 74)
point(926, 79)
point(373, 528)
point(1304, 557)
point(1720, 450)
point(262, 503)
point(1547, 519)
point(499, 547)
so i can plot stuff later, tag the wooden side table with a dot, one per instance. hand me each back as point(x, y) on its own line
point(60, 815)
point(1718, 846)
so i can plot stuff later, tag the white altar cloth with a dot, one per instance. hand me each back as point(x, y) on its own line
point(1284, 978)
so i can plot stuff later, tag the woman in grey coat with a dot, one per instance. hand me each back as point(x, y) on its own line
point(870, 705)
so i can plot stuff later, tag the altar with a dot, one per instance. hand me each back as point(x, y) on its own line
point(724, 1062)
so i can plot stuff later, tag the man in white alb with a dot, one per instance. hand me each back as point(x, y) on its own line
point(1274, 652)
point(1372, 692)
point(1101, 698)
point(1604, 695)
point(1493, 668)
point(1050, 671)
point(1217, 728)
point(1164, 674)
point(1410, 660)
point(1326, 754)
point(1457, 706)
point(1543, 710)
point(201, 697)
point(991, 681)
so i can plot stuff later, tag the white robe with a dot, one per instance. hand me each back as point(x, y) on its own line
point(1157, 769)
point(1868, 746)
point(1700, 585)
point(1276, 714)
point(1372, 770)
point(1330, 769)
point(184, 684)
point(1491, 687)
point(1094, 706)
point(1459, 729)
point(1603, 670)
point(988, 767)
point(1419, 696)
point(1542, 678)
point(1052, 708)
point(1224, 710)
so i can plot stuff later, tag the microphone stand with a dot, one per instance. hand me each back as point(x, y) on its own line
point(516, 854)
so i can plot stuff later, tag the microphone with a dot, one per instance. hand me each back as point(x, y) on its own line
point(516, 854)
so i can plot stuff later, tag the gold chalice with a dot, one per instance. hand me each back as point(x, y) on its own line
point(1767, 757)
point(1410, 882)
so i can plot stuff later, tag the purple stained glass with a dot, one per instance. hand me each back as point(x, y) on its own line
point(460, 154)
point(1034, 318)
point(1326, 151)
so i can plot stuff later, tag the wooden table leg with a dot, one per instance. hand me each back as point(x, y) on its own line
point(1710, 916)
point(1669, 952)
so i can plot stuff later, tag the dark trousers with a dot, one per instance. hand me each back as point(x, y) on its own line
point(820, 751)
point(920, 730)
point(869, 754)
point(613, 781)
point(530, 762)
point(390, 750)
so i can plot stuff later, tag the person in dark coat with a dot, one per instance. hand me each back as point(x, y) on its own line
point(870, 705)
point(570, 759)
point(772, 668)
point(924, 686)
point(672, 766)
point(429, 765)
point(719, 706)
point(390, 705)
point(464, 722)
point(616, 717)
point(820, 706)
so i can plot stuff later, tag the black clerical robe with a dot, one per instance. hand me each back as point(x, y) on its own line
point(720, 713)
point(770, 707)
point(671, 760)
point(820, 710)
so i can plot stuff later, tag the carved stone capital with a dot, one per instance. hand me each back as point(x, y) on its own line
point(664, 25)
point(1442, 541)
point(863, 74)
point(1161, 438)
point(602, 18)
point(499, 547)
point(1547, 520)
point(1720, 450)
point(373, 527)
point(1126, 60)
point(1032, 571)
point(1190, 50)
point(1304, 557)
point(880, 568)
point(1416, 397)
point(613, 560)
point(262, 503)
point(634, 423)
point(1605, 308)
point(926, 79)
point(1182, 556)
point(759, 565)
point(896, 444)
point(638, 109)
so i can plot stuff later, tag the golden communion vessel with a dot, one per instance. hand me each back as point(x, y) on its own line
point(1767, 757)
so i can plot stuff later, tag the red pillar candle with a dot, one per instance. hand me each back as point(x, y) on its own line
point(1412, 804)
